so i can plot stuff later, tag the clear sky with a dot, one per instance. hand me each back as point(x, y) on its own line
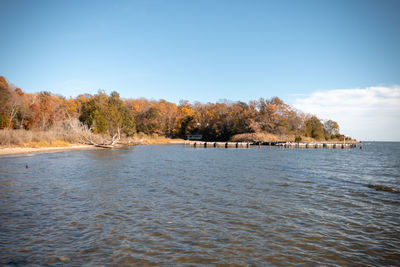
point(205, 50)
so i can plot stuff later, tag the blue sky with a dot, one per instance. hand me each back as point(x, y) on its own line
point(200, 50)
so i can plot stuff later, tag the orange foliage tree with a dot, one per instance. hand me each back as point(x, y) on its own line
point(109, 114)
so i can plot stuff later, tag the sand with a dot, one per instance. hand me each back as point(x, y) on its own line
point(23, 150)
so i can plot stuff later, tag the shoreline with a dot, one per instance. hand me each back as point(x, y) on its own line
point(8, 151)
point(15, 150)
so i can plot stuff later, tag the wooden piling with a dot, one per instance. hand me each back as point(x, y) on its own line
point(283, 145)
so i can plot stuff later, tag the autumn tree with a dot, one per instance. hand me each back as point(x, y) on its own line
point(107, 114)
point(119, 116)
point(111, 115)
point(4, 96)
point(51, 109)
point(331, 129)
point(185, 120)
point(314, 128)
point(10, 103)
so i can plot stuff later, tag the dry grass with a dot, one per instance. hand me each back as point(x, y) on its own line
point(33, 138)
point(55, 143)
point(164, 141)
point(70, 132)
point(266, 137)
point(144, 139)
point(306, 139)
point(261, 137)
point(23, 137)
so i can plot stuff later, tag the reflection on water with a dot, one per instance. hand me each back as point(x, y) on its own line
point(178, 205)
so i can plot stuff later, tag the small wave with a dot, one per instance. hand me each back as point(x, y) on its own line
point(384, 188)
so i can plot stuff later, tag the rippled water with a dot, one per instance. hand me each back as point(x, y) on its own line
point(176, 205)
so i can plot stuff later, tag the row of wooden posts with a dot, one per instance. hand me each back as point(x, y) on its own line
point(280, 144)
point(318, 145)
point(219, 144)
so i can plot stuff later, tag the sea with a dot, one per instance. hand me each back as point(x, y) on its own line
point(175, 205)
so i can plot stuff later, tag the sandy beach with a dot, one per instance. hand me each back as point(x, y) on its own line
point(23, 150)
point(6, 150)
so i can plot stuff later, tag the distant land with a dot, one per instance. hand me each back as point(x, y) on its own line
point(108, 116)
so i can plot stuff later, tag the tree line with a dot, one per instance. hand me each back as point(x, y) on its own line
point(111, 115)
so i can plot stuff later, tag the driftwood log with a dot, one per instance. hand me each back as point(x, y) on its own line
point(106, 144)
point(86, 136)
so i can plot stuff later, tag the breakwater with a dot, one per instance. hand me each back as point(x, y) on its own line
point(204, 144)
point(317, 145)
point(219, 144)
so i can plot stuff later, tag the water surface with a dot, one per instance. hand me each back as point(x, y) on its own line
point(176, 205)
